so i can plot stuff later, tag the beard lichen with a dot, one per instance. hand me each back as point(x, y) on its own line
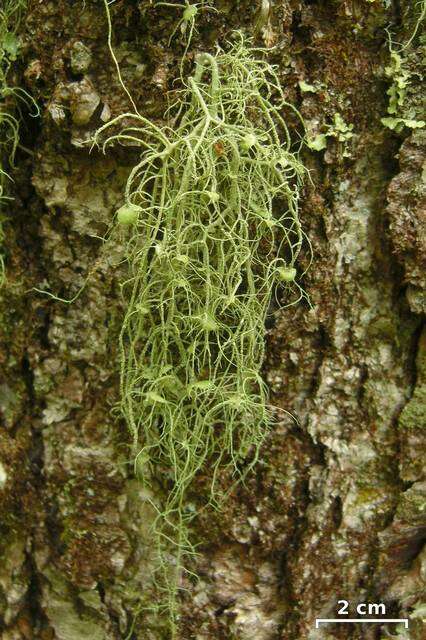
point(213, 235)
point(10, 18)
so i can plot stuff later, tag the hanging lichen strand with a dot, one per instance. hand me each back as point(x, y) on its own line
point(10, 18)
point(213, 231)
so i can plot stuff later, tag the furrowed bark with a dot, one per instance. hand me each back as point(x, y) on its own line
point(336, 507)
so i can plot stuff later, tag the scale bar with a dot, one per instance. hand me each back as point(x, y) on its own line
point(319, 621)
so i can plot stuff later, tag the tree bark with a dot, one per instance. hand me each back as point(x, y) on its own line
point(335, 509)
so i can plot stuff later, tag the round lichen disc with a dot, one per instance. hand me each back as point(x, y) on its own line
point(128, 214)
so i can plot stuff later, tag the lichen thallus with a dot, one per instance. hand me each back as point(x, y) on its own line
point(11, 97)
point(213, 229)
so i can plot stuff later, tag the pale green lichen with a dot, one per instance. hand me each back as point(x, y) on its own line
point(211, 211)
point(400, 112)
point(305, 87)
point(10, 16)
point(187, 22)
point(339, 130)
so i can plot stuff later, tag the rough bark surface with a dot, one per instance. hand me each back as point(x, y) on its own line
point(336, 509)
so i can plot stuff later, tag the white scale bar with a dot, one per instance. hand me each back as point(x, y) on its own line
point(318, 621)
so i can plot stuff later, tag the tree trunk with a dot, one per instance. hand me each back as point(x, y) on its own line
point(335, 508)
